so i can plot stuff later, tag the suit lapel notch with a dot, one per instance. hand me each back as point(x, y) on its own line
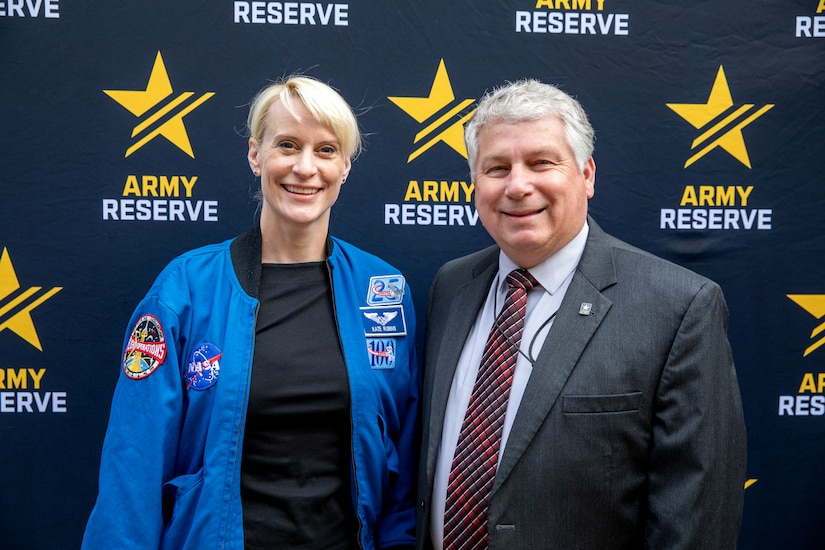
point(464, 309)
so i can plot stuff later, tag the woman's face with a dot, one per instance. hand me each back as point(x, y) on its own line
point(302, 168)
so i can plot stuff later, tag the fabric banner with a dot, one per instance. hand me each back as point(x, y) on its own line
point(123, 145)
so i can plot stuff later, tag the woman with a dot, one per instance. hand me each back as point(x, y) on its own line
point(269, 385)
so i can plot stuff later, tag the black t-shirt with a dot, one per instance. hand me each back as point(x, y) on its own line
point(295, 473)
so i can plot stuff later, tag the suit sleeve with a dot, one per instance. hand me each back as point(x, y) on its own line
point(697, 462)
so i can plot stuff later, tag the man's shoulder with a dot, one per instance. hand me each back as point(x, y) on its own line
point(471, 264)
point(628, 257)
point(632, 258)
point(648, 274)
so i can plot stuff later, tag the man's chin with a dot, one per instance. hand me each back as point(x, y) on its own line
point(526, 252)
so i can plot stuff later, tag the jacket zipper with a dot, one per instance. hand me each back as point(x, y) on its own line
point(242, 416)
point(349, 383)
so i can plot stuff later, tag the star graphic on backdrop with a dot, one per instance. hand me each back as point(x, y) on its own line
point(815, 305)
point(20, 323)
point(700, 115)
point(422, 108)
point(139, 102)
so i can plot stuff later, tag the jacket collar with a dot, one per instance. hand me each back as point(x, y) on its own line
point(245, 251)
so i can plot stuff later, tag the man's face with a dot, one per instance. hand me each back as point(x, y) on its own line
point(529, 192)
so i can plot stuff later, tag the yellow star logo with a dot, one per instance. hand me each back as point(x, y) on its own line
point(424, 108)
point(160, 123)
point(12, 316)
point(720, 134)
point(815, 305)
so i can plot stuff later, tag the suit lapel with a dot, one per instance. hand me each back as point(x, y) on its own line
point(560, 353)
point(463, 312)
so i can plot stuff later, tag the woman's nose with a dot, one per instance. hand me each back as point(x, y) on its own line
point(305, 164)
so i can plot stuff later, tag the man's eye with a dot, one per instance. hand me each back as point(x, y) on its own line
point(541, 162)
point(496, 169)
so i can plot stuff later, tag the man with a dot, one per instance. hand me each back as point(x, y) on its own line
point(619, 423)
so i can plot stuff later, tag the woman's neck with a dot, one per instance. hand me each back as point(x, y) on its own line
point(282, 246)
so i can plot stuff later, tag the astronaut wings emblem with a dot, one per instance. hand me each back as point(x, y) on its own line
point(381, 319)
point(384, 321)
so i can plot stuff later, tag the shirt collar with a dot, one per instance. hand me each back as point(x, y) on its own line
point(551, 272)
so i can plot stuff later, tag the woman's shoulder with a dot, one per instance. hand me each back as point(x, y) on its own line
point(358, 257)
point(200, 262)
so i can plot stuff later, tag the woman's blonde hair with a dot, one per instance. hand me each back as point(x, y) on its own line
point(324, 103)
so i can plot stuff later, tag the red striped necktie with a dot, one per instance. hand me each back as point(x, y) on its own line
point(477, 450)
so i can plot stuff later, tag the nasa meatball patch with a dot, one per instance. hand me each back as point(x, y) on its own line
point(204, 367)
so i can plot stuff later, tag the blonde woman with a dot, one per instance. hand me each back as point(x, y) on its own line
point(268, 390)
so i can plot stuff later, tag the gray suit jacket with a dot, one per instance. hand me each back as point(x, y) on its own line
point(630, 434)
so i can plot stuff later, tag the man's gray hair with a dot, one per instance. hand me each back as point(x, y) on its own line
point(530, 99)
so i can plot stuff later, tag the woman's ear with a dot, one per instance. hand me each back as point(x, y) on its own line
point(253, 157)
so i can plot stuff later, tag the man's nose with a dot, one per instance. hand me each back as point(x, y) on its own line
point(518, 182)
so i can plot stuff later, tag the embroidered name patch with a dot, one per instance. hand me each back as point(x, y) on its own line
point(204, 367)
point(146, 348)
point(384, 321)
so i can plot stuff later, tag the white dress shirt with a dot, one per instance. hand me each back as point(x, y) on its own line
point(554, 275)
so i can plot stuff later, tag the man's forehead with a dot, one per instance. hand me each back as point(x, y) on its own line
point(538, 134)
point(549, 123)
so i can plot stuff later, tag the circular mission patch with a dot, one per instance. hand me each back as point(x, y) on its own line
point(146, 349)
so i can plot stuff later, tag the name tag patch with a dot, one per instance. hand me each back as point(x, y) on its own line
point(384, 321)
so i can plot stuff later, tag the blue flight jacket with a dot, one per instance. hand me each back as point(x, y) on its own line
point(171, 463)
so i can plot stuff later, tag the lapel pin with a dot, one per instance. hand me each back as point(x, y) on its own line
point(586, 308)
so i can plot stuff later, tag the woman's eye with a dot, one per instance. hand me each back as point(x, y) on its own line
point(286, 145)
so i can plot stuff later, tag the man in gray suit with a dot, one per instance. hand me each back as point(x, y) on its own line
point(622, 425)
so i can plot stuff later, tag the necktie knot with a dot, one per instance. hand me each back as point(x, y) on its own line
point(521, 278)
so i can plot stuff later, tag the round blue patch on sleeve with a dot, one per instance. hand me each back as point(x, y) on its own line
point(204, 367)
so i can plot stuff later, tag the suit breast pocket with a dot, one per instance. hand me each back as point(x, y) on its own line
point(601, 404)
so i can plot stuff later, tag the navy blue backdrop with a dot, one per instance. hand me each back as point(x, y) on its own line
point(122, 144)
